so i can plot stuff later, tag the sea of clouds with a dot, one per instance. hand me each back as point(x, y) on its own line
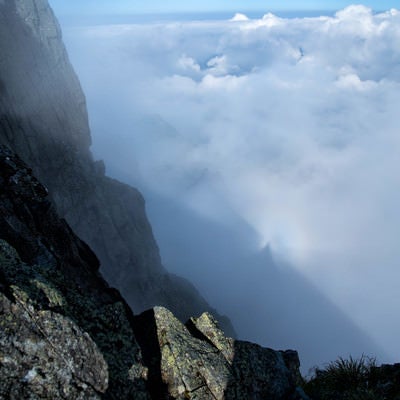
point(291, 125)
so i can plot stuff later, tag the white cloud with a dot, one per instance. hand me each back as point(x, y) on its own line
point(292, 123)
point(239, 17)
point(188, 63)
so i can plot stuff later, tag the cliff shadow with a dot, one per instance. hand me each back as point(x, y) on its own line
point(146, 334)
point(269, 302)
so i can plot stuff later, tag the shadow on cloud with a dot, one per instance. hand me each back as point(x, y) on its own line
point(263, 132)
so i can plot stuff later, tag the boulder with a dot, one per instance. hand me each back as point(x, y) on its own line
point(198, 361)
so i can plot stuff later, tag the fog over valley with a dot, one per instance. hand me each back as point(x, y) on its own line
point(267, 150)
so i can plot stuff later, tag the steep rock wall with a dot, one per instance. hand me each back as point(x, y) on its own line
point(43, 118)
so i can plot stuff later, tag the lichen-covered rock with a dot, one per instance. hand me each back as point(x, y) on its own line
point(191, 367)
point(45, 355)
point(199, 362)
point(259, 373)
point(206, 326)
point(253, 367)
point(64, 332)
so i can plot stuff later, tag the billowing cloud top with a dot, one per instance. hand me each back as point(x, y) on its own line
point(292, 124)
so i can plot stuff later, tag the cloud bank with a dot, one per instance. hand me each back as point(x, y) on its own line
point(291, 125)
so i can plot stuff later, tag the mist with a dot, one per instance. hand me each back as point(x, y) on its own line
point(268, 153)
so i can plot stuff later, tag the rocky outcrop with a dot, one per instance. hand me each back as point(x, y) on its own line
point(197, 361)
point(64, 333)
point(44, 354)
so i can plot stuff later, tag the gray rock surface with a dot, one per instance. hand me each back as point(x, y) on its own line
point(43, 118)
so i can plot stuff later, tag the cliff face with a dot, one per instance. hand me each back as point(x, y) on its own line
point(43, 118)
point(65, 334)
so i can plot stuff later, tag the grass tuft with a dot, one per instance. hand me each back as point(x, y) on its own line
point(343, 379)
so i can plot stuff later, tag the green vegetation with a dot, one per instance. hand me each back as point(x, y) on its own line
point(355, 379)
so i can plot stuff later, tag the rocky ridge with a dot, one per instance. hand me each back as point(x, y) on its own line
point(66, 334)
point(43, 118)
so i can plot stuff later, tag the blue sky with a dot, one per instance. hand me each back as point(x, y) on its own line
point(161, 6)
